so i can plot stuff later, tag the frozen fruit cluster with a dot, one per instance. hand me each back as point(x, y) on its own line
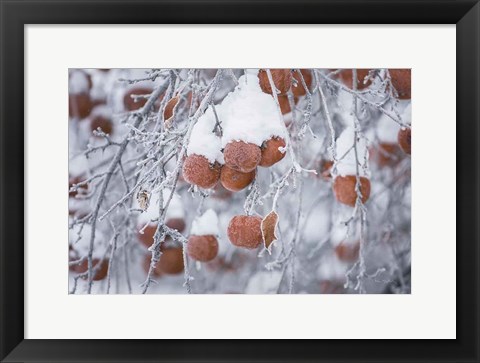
point(241, 133)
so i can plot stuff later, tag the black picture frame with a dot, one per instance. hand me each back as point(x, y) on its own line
point(15, 14)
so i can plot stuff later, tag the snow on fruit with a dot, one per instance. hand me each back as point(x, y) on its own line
point(204, 153)
point(242, 156)
point(202, 243)
point(352, 153)
point(352, 165)
point(249, 119)
point(385, 152)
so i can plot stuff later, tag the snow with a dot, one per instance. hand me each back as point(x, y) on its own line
point(206, 224)
point(264, 282)
point(407, 114)
point(346, 164)
point(175, 209)
point(99, 85)
point(116, 89)
point(225, 248)
point(246, 114)
point(343, 103)
point(204, 141)
point(332, 269)
point(338, 234)
point(104, 83)
point(341, 233)
point(387, 130)
point(78, 82)
point(78, 166)
point(103, 111)
point(380, 201)
point(288, 118)
point(250, 115)
point(78, 206)
point(317, 225)
point(83, 244)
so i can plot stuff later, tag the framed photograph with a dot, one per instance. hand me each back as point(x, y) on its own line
point(243, 184)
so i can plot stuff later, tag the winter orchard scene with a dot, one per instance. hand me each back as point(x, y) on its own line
point(228, 181)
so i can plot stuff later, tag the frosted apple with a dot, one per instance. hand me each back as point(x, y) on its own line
point(242, 156)
point(273, 151)
point(202, 248)
point(199, 171)
point(245, 231)
point(234, 180)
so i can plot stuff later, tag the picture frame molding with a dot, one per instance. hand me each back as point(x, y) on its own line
point(16, 14)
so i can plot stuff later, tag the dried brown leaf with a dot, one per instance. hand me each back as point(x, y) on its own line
point(269, 224)
point(170, 107)
point(143, 199)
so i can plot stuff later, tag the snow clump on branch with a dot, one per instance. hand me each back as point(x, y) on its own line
point(206, 224)
point(347, 159)
point(250, 115)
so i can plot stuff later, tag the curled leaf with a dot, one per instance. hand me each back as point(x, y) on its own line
point(143, 199)
point(170, 107)
point(268, 226)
